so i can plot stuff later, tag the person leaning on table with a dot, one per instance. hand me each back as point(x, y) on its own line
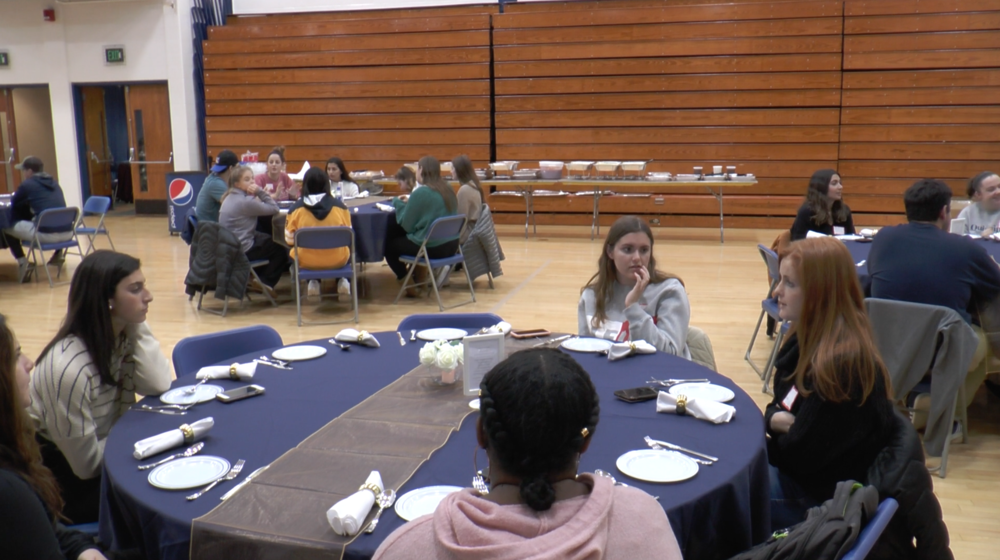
point(282, 187)
point(824, 210)
point(88, 375)
point(538, 413)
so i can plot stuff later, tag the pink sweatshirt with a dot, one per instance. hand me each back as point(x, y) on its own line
point(611, 523)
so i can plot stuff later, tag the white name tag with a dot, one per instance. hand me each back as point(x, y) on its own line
point(838, 230)
point(789, 401)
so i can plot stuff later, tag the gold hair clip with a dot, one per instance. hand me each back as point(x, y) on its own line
point(232, 372)
point(188, 432)
point(584, 432)
point(682, 402)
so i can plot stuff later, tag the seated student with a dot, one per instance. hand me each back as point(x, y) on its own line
point(629, 298)
point(38, 192)
point(406, 179)
point(341, 184)
point(30, 504)
point(538, 414)
point(470, 194)
point(89, 374)
point(275, 181)
point(831, 414)
point(242, 204)
point(414, 215)
point(318, 208)
point(982, 215)
point(216, 185)
point(824, 210)
point(921, 262)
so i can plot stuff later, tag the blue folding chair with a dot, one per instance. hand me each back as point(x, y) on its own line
point(95, 206)
point(442, 229)
point(873, 530)
point(53, 220)
point(769, 307)
point(324, 238)
point(196, 352)
point(457, 320)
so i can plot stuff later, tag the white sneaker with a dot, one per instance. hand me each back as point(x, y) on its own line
point(313, 288)
point(344, 287)
point(442, 276)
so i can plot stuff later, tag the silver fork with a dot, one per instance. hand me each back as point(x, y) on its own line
point(385, 501)
point(233, 473)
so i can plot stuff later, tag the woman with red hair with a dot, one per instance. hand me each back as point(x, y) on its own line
point(831, 413)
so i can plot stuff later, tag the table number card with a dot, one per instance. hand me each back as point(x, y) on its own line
point(482, 352)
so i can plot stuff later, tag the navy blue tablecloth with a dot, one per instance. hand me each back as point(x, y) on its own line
point(722, 510)
point(370, 228)
point(6, 220)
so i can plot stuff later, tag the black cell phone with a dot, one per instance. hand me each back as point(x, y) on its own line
point(639, 394)
point(239, 393)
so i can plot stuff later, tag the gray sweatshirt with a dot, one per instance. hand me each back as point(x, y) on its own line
point(977, 219)
point(239, 214)
point(660, 317)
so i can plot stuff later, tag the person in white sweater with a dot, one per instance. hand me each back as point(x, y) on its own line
point(89, 374)
point(629, 299)
point(981, 217)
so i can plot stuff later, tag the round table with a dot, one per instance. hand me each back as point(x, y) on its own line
point(370, 226)
point(722, 510)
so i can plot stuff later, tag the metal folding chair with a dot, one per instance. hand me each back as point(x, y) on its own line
point(441, 229)
point(769, 307)
point(324, 238)
point(53, 220)
point(872, 530)
point(95, 206)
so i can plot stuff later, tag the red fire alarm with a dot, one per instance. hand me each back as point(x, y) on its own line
point(49, 14)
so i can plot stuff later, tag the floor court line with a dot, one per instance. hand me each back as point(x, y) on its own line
point(519, 287)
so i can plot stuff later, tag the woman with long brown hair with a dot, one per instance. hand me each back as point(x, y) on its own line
point(470, 193)
point(831, 413)
point(629, 298)
point(824, 210)
point(30, 503)
point(275, 181)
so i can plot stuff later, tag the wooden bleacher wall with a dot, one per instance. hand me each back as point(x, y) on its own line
point(886, 91)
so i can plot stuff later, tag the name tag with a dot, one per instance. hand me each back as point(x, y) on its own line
point(838, 230)
point(789, 401)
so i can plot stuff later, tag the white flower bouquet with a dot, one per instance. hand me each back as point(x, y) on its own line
point(443, 354)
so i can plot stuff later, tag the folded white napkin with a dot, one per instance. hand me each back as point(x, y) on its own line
point(358, 337)
point(810, 234)
point(621, 350)
point(174, 438)
point(363, 194)
point(244, 372)
point(385, 207)
point(502, 327)
point(715, 412)
point(347, 515)
point(301, 174)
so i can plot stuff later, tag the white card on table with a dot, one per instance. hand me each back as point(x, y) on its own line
point(482, 352)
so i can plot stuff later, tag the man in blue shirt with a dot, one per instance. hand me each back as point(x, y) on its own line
point(216, 185)
point(921, 262)
point(38, 192)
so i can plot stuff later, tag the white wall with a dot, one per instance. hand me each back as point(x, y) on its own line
point(272, 7)
point(33, 110)
point(157, 39)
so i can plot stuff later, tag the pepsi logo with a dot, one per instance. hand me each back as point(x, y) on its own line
point(181, 192)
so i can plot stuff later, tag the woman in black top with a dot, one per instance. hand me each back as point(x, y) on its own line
point(831, 414)
point(824, 210)
point(29, 497)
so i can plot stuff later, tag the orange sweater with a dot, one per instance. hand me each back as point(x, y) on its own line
point(318, 258)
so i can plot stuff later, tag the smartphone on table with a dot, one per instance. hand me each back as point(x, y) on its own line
point(529, 333)
point(240, 393)
point(639, 394)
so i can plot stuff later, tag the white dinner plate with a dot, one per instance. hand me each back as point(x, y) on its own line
point(474, 404)
point(188, 472)
point(422, 501)
point(587, 344)
point(703, 391)
point(657, 465)
point(179, 395)
point(298, 353)
point(442, 334)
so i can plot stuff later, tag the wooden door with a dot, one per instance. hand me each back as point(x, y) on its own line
point(10, 178)
point(148, 108)
point(95, 131)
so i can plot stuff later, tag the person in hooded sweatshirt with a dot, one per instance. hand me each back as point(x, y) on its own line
point(318, 208)
point(538, 412)
point(38, 192)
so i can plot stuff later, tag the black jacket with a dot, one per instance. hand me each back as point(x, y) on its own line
point(217, 261)
point(805, 220)
point(40, 192)
point(899, 472)
point(27, 530)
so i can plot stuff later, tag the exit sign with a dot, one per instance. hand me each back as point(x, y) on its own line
point(114, 55)
point(4, 59)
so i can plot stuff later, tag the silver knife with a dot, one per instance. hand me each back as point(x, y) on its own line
point(552, 341)
point(402, 341)
point(243, 483)
point(272, 364)
point(669, 445)
point(186, 453)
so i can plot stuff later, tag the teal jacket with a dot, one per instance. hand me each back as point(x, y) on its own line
point(419, 212)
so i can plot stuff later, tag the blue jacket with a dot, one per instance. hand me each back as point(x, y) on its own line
point(39, 192)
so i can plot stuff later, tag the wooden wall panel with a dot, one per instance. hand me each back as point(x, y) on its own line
point(919, 93)
point(377, 89)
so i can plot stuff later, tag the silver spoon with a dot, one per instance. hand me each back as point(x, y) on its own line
point(385, 501)
point(194, 388)
point(186, 453)
point(413, 335)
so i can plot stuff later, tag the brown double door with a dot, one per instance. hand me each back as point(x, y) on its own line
point(9, 177)
point(95, 132)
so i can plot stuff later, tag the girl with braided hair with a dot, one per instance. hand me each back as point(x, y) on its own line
point(538, 413)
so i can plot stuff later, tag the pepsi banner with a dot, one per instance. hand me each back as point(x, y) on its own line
point(182, 194)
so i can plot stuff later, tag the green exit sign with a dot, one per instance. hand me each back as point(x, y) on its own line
point(4, 59)
point(114, 55)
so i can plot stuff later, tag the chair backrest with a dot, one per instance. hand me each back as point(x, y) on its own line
point(195, 352)
point(448, 227)
point(771, 260)
point(873, 530)
point(324, 237)
point(97, 205)
point(58, 220)
point(456, 320)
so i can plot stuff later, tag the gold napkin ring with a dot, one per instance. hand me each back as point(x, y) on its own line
point(682, 402)
point(361, 336)
point(631, 345)
point(232, 372)
point(188, 432)
point(371, 486)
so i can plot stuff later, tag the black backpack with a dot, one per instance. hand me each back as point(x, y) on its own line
point(829, 531)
